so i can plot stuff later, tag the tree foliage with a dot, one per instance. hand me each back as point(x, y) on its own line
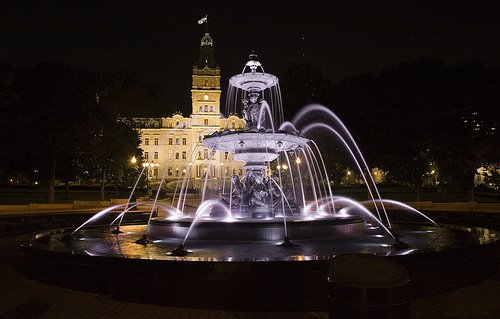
point(425, 112)
point(56, 119)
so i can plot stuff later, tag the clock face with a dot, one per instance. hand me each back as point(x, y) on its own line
point(205, 97)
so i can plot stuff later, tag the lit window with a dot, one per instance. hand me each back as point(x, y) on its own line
point(169, 172)
point(146, 141)
point(205, 122)
point(155, 155)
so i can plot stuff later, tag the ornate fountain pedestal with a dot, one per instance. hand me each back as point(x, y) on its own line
point(258, 195)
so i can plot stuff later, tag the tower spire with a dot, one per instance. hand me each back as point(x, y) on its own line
point(206, 52)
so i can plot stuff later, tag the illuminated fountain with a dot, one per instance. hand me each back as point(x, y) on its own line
point(262, 216)
point(258, 207)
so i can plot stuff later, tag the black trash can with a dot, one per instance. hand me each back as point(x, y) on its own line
point(368, 286)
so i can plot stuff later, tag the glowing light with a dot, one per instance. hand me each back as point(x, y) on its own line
point(133, 160)
point(298, 160)
point(206, 97)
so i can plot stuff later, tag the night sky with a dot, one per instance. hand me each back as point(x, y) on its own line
point(160, 39)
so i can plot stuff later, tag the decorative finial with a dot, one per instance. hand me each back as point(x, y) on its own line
point(253, 63)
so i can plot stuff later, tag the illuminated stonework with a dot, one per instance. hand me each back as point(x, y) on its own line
point(175, 142)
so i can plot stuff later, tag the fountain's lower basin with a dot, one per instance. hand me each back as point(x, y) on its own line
point(259, 230)
point(248, 276)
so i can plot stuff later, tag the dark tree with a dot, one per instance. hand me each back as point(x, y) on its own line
point(59, 117)
point(109, 155)
point(424, 112)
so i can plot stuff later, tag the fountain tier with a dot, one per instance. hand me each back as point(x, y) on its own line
point(254, 146)
point(257, 230)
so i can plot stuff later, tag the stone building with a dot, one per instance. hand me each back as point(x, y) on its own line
point(172, 145)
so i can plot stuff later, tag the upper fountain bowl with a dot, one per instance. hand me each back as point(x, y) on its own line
point(253, 78)
point(253, 81)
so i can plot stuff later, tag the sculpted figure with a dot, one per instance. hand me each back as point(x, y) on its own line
point(251, 110)
point(236, 197)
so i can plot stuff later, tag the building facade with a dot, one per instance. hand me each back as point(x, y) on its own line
point(172, 145)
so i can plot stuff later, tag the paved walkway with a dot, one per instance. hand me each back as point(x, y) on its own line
point(23, 298)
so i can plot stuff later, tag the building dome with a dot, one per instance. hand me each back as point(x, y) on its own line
point(207, 41)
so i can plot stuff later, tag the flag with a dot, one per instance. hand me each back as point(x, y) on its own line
point(202, 20)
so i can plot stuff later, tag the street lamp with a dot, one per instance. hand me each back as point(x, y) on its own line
point(133, 160)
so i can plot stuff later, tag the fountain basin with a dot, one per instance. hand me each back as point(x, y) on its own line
point(260, 230)
point(247, 276)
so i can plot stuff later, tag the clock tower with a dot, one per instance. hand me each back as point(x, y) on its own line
point(206, 91)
